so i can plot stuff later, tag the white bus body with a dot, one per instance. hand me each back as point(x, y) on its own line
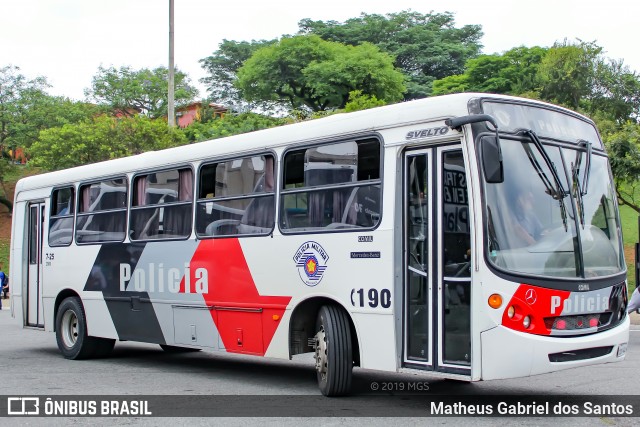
point(373, 239)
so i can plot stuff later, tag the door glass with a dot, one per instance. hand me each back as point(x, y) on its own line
point(417, 221)
point(456, 259)
point(33, 235)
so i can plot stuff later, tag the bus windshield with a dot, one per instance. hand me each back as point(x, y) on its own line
point(541, 227)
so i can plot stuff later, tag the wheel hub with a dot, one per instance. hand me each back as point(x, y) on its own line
point(69, 326)
point(320, 347)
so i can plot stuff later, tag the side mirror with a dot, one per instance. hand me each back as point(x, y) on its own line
point(492, 160)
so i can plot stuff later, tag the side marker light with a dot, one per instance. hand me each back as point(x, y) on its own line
point(495, 301)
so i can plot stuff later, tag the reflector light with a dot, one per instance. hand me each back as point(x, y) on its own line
point(495, 301)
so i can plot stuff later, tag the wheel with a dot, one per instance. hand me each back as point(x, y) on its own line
point(71, 331)
point(334, 353)
point(177, 349)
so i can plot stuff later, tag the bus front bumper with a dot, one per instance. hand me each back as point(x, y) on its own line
point(511, 354)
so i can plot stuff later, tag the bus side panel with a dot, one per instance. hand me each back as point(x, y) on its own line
point(355, 272)
point(68, 268)
point(99, 323)
point(374, 330)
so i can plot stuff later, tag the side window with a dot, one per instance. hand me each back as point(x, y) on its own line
point(102, 211)
point(332, 187)
point(236, 197)
point(61, 218)
point(162, 205)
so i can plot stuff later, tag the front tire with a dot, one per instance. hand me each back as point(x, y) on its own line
point(334, 352)
point(71, 331)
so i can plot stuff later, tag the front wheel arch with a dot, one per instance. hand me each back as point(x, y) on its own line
point(302, 326)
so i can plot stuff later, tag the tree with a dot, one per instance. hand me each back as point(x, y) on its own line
point(616, 91)
point(308, 72)
point(426, 47)
point(223, 66)
point(580, 77)
point(6, 167)
point(102, 138)
point(16, 95)
point(623, 147)
point(145, 91)
point(513, 73)
point(230, 124)
point(26, 109)
point(358, 101)
point(567, 74)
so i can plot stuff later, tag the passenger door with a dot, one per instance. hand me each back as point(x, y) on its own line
point(34, 280)
point(437, 261)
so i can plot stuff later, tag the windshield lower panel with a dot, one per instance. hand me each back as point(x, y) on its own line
point(537, 229)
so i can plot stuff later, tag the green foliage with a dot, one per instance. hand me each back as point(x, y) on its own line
point(567, 73)
point(359, 101)
point(426, 47)
point(26, 109)
point(512, 73)
point(306, 71)
point(6, 168)
point(623, 146)
point(143, 91)
point(452, 84)
point(222, 67)
point(230, 124)
point(16, 95)
point(616, 92)
point(102, 138)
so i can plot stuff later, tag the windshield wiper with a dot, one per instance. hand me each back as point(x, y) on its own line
point(582, 187)
point(556, 191)
point(579, 193)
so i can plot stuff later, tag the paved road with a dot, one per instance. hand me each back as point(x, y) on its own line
point(32, 365)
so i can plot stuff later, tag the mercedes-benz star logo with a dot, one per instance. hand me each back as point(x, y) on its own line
point(530, 297)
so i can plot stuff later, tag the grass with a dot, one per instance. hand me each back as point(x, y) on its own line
point(629, 222)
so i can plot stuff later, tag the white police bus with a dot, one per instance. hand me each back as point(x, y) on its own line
point(468, 236)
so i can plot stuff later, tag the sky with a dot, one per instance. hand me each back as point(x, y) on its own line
point(67, 40)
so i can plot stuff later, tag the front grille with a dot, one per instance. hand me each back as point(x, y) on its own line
point(587, 323)
point(577, 322)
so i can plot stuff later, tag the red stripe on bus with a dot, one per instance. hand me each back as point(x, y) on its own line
point(230, 284)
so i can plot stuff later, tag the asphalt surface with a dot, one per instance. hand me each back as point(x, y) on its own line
point(32, 365)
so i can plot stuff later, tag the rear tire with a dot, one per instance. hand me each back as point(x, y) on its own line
point(71, 331)
point(334, 352)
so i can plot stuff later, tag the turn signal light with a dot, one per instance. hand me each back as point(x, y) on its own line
point(495, 301)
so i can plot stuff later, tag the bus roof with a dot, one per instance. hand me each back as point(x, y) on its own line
point(334, 126)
